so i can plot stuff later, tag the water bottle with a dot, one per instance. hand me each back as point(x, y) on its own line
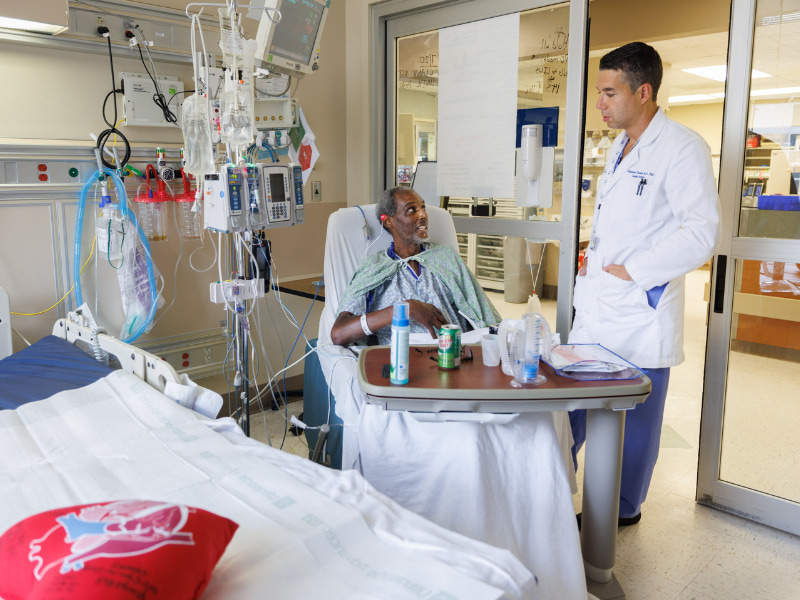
point(530, 341)
point(398, 373)
point(531, 353)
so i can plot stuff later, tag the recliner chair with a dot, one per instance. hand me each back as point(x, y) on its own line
point(353, 233)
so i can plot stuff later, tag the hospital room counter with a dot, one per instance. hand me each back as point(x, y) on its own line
point(305, 288)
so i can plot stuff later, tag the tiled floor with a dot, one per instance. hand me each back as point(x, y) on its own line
point(682, 550)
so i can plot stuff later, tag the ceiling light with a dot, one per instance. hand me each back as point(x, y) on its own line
point(42, 16)
point(690, 98)
point(719, 72)
point(776, 91)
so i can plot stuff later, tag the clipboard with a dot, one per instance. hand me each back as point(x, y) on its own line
point(590, 362)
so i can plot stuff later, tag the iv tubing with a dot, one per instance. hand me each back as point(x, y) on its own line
point(120, 188)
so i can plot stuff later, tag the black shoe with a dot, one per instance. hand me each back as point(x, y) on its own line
point(621, 522)
point(625, 521)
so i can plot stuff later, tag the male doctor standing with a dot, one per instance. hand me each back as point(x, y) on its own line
point(656, 218)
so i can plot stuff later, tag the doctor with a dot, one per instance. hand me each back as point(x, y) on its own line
point(656, 219)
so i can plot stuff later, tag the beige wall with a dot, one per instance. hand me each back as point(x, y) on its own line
point(56, 99)
point(705, 119)
point(617, 22)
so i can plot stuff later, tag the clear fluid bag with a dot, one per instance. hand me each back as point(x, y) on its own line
point(196, 126)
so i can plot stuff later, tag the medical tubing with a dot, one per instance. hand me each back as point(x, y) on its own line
point(267, 362)
point(299, 333)
point(177, 264)
point(120, 187)
point(196, 250)
point(100, 355)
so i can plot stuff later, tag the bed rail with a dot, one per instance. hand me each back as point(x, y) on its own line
point(148, 367)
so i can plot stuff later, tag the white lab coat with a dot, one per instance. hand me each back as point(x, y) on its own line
point(659, 230)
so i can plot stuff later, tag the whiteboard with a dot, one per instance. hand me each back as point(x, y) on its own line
point(478, 108)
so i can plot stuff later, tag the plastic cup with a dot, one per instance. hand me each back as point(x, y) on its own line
point(491, 350)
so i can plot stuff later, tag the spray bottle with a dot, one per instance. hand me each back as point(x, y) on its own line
point(399, 350)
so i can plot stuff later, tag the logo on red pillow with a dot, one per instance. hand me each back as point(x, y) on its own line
point(124, 528)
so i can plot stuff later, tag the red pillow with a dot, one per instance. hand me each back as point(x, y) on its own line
point(125, 549)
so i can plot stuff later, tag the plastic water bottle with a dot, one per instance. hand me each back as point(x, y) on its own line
point(398, 374)
point(529, 371)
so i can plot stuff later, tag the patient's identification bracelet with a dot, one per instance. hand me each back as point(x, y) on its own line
point(364, 327)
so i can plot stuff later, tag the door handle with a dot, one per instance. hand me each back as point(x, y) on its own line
point(719, 285)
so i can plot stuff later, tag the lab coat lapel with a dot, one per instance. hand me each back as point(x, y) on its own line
point(611, 177)
point(648, 137)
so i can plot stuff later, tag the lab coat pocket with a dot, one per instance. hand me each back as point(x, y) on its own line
point(623, 302)
point(633, 202)
point(579, 293)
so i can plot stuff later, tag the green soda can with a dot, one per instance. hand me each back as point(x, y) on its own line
point(449, 346)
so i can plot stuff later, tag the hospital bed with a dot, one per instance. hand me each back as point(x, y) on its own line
point(303, 530)
point(505, 484)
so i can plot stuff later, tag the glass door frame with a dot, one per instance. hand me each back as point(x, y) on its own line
point(398, 18)
point(711, 491)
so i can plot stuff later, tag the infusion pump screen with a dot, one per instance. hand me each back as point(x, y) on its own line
point(276, 187)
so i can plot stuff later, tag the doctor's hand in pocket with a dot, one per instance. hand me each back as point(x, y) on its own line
point(618, 271)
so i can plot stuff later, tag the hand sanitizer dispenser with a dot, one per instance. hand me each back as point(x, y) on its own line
point(534, 169)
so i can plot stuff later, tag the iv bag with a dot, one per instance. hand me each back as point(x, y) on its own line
point(196, 126)
point(235, 123)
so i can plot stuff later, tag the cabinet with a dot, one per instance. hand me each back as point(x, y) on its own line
point(483, 254)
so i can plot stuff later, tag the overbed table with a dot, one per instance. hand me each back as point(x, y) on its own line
point(474, 388)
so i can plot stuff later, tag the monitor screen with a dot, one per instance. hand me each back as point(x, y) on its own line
point(297, 31)
point(276, 187)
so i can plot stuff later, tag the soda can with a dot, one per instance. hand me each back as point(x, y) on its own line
point(449, 346)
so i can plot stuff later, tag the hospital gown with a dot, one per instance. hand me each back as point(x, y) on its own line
point(444, 281)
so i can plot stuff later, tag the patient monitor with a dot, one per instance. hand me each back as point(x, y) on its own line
point(291, 45)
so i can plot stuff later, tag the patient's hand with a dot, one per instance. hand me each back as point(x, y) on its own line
point(427, 315)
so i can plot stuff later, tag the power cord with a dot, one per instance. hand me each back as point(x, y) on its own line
point(102, 139)
point(158, 97)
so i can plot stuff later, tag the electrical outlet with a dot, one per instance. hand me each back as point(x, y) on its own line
point(208, 358)
point(101, 20)
point(316, 191)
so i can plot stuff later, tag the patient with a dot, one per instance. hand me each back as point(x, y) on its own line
point(432, 278)
point(504, 483)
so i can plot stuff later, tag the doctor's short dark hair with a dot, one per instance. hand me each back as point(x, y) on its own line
point(386, 204)
point(639, 64)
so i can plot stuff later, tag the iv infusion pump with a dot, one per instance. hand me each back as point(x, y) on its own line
point(269, 196)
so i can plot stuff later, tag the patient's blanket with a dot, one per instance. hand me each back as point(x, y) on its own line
point(304, 529)
point(505, 484)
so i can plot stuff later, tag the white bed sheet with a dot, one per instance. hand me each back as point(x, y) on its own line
point(305, 531)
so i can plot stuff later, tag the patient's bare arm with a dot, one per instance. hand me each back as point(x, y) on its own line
point(347, 328)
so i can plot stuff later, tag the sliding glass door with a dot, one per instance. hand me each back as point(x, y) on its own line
point(750, 450)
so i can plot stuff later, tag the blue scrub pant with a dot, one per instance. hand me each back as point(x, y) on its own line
point(642, 440)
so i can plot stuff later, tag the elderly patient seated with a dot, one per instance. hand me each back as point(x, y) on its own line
point(505, 484)
point(432, 278)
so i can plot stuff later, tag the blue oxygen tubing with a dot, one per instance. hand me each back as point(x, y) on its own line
point(123, 205)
